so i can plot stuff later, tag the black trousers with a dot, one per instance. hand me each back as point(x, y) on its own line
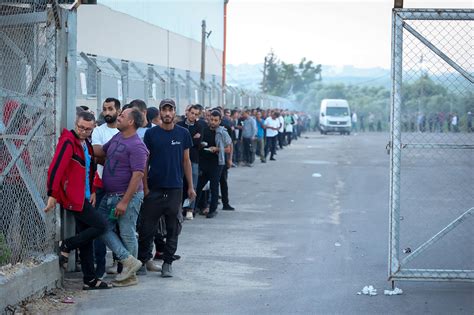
point(248, 150)
point(211, 173)
point(224, 186)
point(159, 202)
point(270, 146)
point(281, 139)
point(289, 136)
point(90, 224)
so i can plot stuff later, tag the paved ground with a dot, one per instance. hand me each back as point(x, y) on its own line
point(277, 253)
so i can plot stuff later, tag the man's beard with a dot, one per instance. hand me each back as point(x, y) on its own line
point(110, 119)
point(167, 120)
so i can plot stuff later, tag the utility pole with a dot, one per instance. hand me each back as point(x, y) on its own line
point(224, 91)
point(203, 61)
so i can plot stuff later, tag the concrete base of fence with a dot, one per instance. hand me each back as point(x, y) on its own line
point(28, 282)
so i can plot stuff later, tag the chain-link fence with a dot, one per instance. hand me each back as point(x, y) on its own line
point(432, 146)
point(27, 127)
point(100, 77)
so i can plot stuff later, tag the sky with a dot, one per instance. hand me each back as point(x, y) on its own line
point(337, 32)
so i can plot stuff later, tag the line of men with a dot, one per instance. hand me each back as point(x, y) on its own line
point(148, 163)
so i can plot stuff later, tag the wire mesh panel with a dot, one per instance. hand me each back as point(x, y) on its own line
point(432, 146)
point(27, 127)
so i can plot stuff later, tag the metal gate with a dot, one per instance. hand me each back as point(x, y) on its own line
point(27, 127)
point(432, 146)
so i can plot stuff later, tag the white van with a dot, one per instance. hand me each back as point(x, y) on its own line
point(335, 116)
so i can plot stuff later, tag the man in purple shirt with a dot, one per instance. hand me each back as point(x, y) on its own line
point(126, 157)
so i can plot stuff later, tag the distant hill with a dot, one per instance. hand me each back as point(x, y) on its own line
point(249, 76)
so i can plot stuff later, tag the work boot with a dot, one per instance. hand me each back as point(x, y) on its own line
point(133, 280)
point(130, 266)
point(166, 270)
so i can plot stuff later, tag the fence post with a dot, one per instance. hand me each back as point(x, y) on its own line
point(188, 86)
point(69, 111)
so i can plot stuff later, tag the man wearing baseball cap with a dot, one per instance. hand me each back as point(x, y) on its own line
point(168, 164)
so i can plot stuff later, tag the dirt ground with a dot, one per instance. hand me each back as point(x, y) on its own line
point(56, 301)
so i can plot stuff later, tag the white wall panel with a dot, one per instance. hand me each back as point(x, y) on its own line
point(105, 32)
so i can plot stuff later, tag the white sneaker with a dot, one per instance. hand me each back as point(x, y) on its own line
point(189, 215)
point(112, 270)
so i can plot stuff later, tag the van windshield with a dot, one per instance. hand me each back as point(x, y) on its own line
point(337, 111)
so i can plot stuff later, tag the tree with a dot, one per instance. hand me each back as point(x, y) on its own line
point(286, 79)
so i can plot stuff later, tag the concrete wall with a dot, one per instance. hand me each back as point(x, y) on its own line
point(105, 32)
point(29, 281)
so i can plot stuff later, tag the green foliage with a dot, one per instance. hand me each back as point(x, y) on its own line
point(5, 252)
point(288, 80)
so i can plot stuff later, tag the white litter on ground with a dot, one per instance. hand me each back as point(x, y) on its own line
point(337, 244)
point(368, 290)
point(292, 200)
point(395, 291)
point(317, 175)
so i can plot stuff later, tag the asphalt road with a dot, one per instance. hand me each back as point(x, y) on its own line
point(310, 231)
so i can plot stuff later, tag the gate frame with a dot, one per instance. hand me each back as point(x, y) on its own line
point(396, 270)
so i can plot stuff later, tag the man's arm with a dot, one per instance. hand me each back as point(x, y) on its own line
point(188, 173)
point(121, 207)
point(99, 154)
point(60, 162)
point(254, 128)
point(146, 190)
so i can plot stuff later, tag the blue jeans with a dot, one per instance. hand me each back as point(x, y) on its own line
point(126, 224)
point(195, 170)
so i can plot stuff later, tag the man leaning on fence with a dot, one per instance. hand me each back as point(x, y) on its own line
point(70, 178)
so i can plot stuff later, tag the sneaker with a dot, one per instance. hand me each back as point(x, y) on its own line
point(112, 270)
point(166, 270)
point(272, 159)
point(189, 215)
point(211, 215)
point(141, 271)
point(133, 280)
point(228, 207)
point(130, 266)
point(150, 266)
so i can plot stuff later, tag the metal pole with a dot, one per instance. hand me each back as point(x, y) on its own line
point(69, 226)
point(203, 60)
point(395, 144)
point(125, 81)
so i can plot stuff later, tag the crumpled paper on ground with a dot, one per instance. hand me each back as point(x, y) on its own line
point(395, 291)
point(368, 290)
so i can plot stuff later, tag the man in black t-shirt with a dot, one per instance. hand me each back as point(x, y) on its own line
point(216, 143)
point(168, 163)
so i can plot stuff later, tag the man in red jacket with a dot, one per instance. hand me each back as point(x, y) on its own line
point(70, 178)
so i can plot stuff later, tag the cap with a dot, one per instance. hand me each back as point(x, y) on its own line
point(167, 102)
